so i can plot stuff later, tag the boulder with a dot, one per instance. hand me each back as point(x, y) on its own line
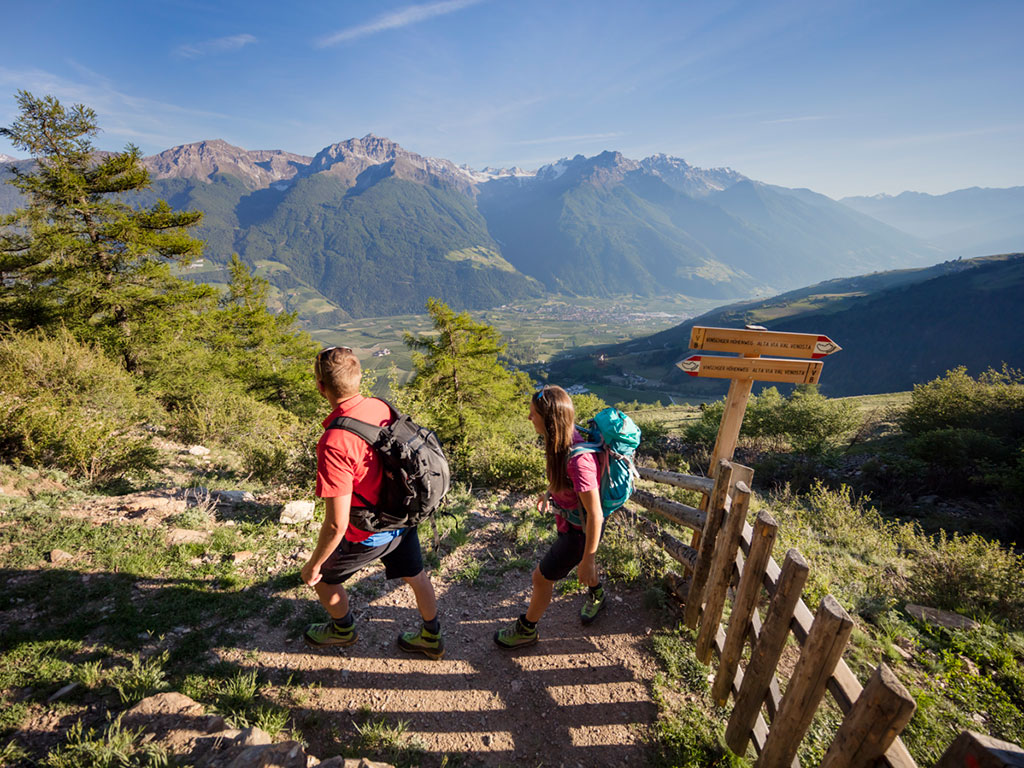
point(186, 536)
point(62, 692)
point(296, 512)
point(253, 737)
point(287, 754)
point(163, 503)
point(173, 719)
point(229, 498)
point(59, 556)
point(199, 450)
point(946, 619)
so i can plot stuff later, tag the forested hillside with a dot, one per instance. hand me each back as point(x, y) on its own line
point(896, 329)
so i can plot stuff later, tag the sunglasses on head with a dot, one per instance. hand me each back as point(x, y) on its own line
point(325, 350)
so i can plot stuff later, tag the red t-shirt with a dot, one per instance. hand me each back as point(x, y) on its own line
point(345, 464)
point(585, 473)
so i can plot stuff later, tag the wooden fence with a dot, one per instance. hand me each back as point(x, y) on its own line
point(728, 552)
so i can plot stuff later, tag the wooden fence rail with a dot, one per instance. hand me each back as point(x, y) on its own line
point(729, 552)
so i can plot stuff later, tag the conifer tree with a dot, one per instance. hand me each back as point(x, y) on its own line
point(77, 254)
point(262, 348)
point(460, 386)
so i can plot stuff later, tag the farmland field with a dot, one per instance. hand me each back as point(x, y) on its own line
point(534, 331)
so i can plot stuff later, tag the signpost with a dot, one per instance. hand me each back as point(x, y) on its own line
point(744, 341)
point(760, 368)
point(743, 371)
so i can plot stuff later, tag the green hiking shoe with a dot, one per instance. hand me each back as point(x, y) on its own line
point(592, 606)
point(323, 635)
point(426, 642)
point(516, 635)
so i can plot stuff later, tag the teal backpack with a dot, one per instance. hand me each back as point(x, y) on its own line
point(615, 435)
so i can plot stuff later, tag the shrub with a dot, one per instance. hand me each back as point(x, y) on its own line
point(993, 403)
point(651, 433)
point(968, 574)
point(64, 404)
point(516, 465)
point(587, 406)
point(806, 420)
point(959, 456)
point(812, 422)
point(970, 432)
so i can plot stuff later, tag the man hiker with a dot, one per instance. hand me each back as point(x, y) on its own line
point(348, 476)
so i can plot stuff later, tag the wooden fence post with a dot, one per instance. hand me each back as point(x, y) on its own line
point(975, 750)
point(818, 658)
point(727, 544)
point(765, 656)
point(743, 607)
point(713, 521)
point(881, 711)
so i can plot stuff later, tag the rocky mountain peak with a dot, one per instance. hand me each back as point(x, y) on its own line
point(369, 150)
point(7, 158)
point(603, 170)
point(348, 159)
point(688, 179)
point(201, 160)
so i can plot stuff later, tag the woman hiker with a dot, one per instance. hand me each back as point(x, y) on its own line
point(574, 489)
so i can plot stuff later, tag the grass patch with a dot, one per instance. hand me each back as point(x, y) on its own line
point(113, 747)
point(690, 729)
point(385, 739)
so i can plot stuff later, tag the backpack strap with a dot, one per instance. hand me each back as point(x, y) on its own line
point(368, 432)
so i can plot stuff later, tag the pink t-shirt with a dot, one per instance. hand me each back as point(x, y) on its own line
point(584, 472)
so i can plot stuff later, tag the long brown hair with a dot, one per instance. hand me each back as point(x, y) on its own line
point(554, 406)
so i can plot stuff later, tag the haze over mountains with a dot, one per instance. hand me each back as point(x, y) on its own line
point(366, 227)
point(967, 222)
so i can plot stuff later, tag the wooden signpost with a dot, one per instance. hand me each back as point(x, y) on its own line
point(743, 371)
point(745, 341)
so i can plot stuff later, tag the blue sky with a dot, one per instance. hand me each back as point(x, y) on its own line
point(842, 97)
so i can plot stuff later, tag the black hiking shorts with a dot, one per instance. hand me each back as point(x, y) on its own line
point(565, 554)
point(401, 557)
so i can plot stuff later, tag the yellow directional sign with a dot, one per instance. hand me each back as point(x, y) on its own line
point(744, 341)
point(759, 368)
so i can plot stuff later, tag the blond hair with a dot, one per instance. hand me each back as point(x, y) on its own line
point(339, 370)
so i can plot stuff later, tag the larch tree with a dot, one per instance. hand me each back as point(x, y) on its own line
point(78, 254)
point(460, 386)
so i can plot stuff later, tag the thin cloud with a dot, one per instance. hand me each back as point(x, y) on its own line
point(215, 46)
point(403, 17)
point(804, 119)
point(930, 138)
point(556, 139)
point(150, 122)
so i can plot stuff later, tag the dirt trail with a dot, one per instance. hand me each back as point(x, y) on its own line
point(580, 696)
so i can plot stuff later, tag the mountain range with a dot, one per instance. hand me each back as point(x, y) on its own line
point(896, 329)
point(366, 227)
point(967, 222)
